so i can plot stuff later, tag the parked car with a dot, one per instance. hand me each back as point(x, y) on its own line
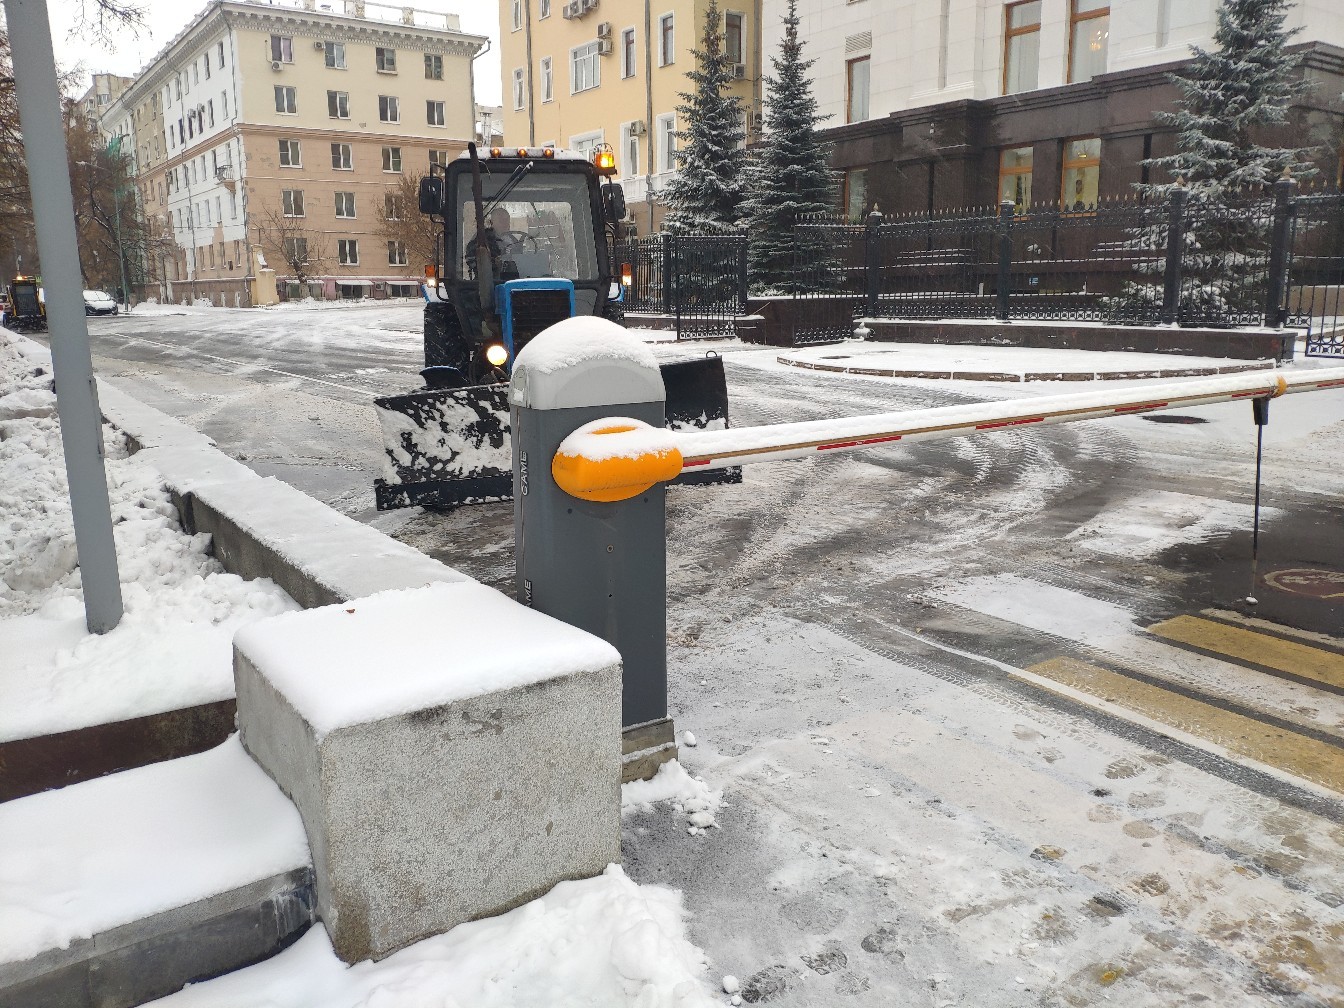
point(98, 303)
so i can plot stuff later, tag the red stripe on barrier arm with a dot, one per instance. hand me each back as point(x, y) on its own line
point(1330, 384)
point(1143, 406)
point(687, 464)
point(1247, 395)
point(838, 444)
point(881, 440)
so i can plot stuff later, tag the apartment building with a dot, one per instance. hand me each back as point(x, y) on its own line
point(269, 133)
point(104, 89)
point(579, 73)
point(946, 103)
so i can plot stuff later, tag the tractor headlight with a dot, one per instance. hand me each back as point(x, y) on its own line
point(496, 354)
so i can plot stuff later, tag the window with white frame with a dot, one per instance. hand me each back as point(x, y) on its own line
point(440, 157)
point(389, 109)
point(385, 60)
point(666, 39)
point(290, 154)
point(391, 159)
point(518, 88)
point(516, 14)
point(296, 251)
point(547, 80)
point(630, 150)
point(341, 158)
point(586, 143)
point(433, 66)
point(667, 142)
point(585, 70)
point(286, 101)
point(291, 201)
point(347, 251)
point(733, 37)
point(338, 104)
point(543, 9)
point(434, 113)
point(345, 204)
point(282, 49)
point(396, 253)
point(394, 205)
point(628, 53)
point(206, 62)
point(335, 55)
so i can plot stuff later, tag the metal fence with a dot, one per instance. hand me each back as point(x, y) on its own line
point(698, 280)
point(1124, 261)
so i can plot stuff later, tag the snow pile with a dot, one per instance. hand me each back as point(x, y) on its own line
point(689, 795)
point(172, 649)
point(603, 942)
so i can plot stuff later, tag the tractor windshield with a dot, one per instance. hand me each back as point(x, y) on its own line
point(542, 228)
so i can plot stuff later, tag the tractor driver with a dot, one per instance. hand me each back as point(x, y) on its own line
point(498, 229)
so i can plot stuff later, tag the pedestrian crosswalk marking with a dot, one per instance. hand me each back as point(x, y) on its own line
point(1238, 734)
point(1300, 662)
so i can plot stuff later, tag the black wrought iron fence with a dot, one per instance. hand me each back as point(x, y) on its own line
point(1314, 291)
point(698, 280)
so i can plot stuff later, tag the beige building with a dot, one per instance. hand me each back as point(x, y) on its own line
point(269, 134)
point(578, 73)
point(104, 89)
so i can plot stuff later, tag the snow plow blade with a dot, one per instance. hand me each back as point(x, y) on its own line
point(449, 447)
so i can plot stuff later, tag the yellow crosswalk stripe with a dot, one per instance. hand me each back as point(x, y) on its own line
point(1302, 661)
point(1269, 744)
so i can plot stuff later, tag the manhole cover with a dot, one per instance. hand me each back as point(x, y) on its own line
point(1173, 418)
point(1312, 581)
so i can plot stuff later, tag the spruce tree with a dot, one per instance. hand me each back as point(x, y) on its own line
point(1230, 96)
point(790, 174)
point(705, 196)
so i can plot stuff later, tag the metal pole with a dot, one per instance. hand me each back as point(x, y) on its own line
point(1006, 211)
point(121, 249)
point(1284, 207)
point(1171, 278)
point(39, 97)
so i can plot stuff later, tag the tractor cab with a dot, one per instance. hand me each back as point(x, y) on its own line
point(25, 309)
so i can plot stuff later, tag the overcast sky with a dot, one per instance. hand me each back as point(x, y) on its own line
point(127, 54)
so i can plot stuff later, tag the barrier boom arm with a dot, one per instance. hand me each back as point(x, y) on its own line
point(610, 457)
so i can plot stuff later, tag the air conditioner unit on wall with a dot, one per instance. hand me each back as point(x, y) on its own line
point(739, 71)
point(276, 64)
point(757, 120)
point(587, 5)
point(570, 10)
point(604, 30)
point(604, 47)
point(638, 128)
point(319, 45)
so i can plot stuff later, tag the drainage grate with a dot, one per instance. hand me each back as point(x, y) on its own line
point(1173, 418)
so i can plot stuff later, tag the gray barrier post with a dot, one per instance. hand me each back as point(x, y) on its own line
point(598, 566)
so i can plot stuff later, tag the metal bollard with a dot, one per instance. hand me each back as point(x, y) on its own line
point(598, 566)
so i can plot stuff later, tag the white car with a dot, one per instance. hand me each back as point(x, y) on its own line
point(98, 303)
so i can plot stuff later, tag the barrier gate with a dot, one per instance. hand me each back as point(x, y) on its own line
point(592, 460)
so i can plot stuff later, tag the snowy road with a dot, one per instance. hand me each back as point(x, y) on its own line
point(991, 727)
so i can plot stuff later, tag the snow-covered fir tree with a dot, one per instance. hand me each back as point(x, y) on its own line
point(1232, 95)
point(705, 196)
point(790, 174)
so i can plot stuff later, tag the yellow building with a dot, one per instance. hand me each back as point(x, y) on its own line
point(269, 133)
point(578, 73)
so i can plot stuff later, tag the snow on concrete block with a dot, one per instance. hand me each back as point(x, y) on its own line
point(265, 528)
point(453, 754)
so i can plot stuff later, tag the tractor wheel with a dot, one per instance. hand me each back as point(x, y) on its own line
point(443, 337)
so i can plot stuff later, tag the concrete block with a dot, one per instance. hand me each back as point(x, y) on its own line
point(262, 527)
point(452, 753)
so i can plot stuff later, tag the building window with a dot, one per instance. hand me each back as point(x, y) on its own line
point(732, 37)
point(630, 149)
point(282, 49)
point(433, 67)
point(210, 108)
point(516, 14)
point(667, 142)
point(666, 40)
point(1021, 46)
point(391, 159)
point(856, 193)
point(396, 253)
point(335, 55)
point(386, 60)
point(856, 89)
point(439, 157)
point(206, 62)
point(338, 104)
point(518, 88)
point(1015, 177)
point(345, 204)
point(389, 110)
point(292, 202)
point(224, 102)
point(290, 154)
point(285, 100)
point(585, 144)
point(585, 72)
point(543, 9)
point(628, 53)
point(434, 113)
point(1089, 33)
point(341, 157)
point(394, 207)
point(547, 80)
point(219, 51)
point(347, 251)
point(1079, 173)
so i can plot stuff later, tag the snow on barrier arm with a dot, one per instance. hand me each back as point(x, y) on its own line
point(608, 451)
